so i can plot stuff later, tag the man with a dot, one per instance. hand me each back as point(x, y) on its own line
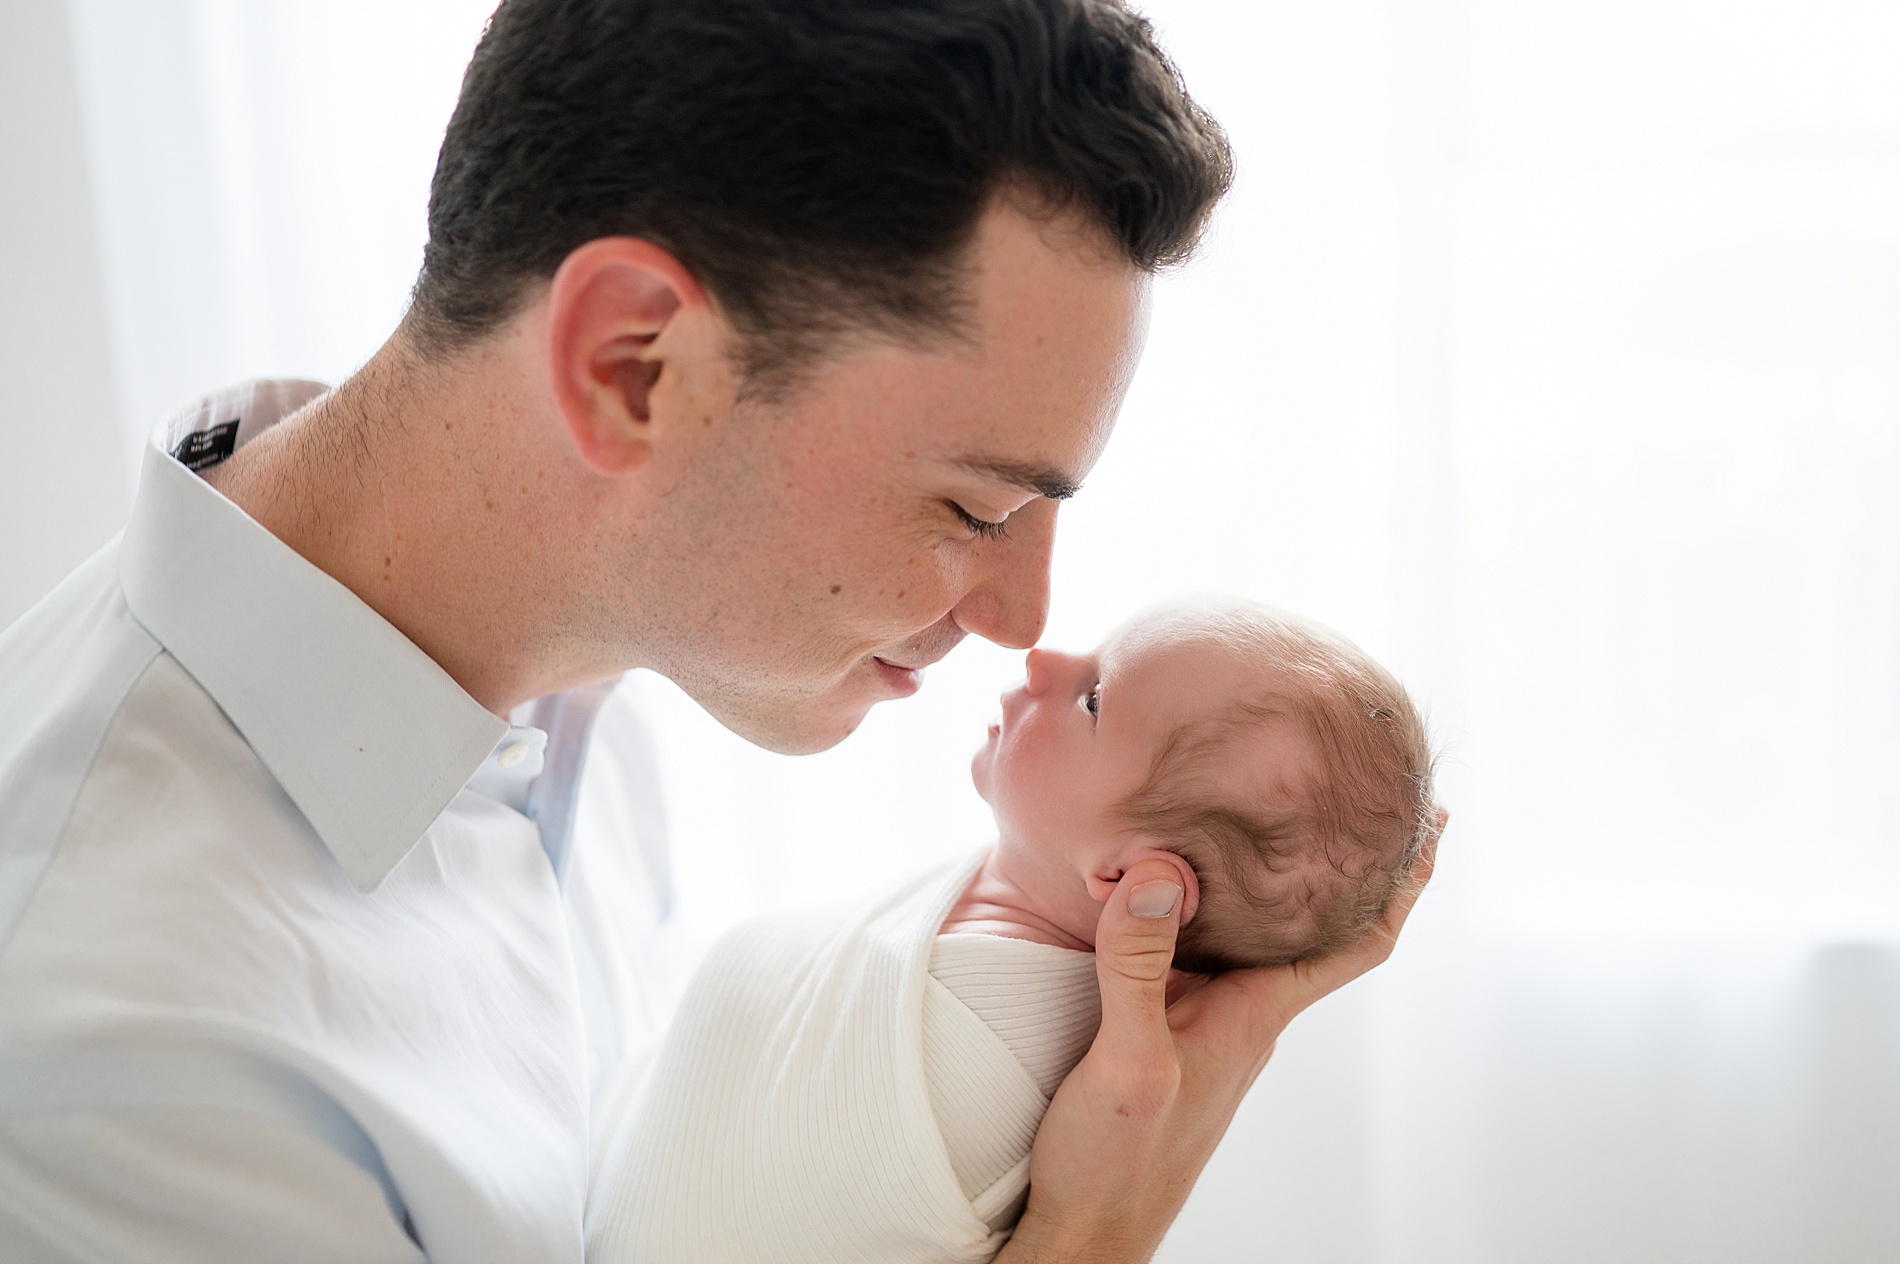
point(756, 342)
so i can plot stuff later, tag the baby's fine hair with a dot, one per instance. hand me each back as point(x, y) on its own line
point(1312, 868)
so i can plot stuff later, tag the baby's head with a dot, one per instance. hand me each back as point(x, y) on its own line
point(1284, 772)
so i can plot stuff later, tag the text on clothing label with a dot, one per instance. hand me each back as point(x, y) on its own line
point(202, 448)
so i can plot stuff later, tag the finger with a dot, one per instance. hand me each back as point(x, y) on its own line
point(1237, 1015)
point(1134, 946)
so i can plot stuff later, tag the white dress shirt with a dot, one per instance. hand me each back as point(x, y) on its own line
point(303, 953)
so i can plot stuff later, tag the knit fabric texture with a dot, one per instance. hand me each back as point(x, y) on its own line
point(823, 1096)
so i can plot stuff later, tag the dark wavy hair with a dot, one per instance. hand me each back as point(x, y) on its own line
point(819, 165)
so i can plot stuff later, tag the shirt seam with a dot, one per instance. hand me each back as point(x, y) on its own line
point(154, 649)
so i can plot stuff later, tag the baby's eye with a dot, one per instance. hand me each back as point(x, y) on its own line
point(1094, 701)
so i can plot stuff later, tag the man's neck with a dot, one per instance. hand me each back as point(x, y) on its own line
point(408, 486)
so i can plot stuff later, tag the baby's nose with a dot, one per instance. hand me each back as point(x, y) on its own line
point(1049, 669)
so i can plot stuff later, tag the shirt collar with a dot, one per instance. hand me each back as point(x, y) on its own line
point(367, 734)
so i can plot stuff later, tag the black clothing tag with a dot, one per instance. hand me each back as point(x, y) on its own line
point(203, 448)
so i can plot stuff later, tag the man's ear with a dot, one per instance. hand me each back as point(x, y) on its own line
point(630, 333)
point(1102, 880)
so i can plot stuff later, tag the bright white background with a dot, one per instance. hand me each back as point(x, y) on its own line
point(1551, 350)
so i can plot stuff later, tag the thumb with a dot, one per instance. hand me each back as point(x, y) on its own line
point(1134, 946)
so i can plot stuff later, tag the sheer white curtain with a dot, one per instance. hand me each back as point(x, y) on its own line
point(1550, 350)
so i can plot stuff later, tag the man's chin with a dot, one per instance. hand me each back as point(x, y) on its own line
point(791, 724)
point(799, 729)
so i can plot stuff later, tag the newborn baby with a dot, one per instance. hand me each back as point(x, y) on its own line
point(865, 1084)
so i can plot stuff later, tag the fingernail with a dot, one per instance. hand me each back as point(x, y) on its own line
point(1154, 899)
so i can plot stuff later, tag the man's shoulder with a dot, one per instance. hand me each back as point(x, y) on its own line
point(65, 668)
point(107, 735)
point(66, 644)
point(182, 957)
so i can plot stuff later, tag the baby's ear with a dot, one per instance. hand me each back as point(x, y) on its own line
point(1102, 880)
point(1444, 815)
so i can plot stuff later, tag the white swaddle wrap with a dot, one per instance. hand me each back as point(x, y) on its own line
point(793, 1113)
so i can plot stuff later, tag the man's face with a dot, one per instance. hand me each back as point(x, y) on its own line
point(836, 542)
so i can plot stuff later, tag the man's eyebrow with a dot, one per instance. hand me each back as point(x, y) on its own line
point(1044, 480)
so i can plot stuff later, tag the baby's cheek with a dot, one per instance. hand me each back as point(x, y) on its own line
point(1029, 796)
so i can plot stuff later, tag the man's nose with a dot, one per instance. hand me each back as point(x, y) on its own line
point(1009, 601)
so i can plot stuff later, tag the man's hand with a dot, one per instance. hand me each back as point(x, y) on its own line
point(1132, 1126)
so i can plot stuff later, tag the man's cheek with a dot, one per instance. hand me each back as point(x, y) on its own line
point(909, 585)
